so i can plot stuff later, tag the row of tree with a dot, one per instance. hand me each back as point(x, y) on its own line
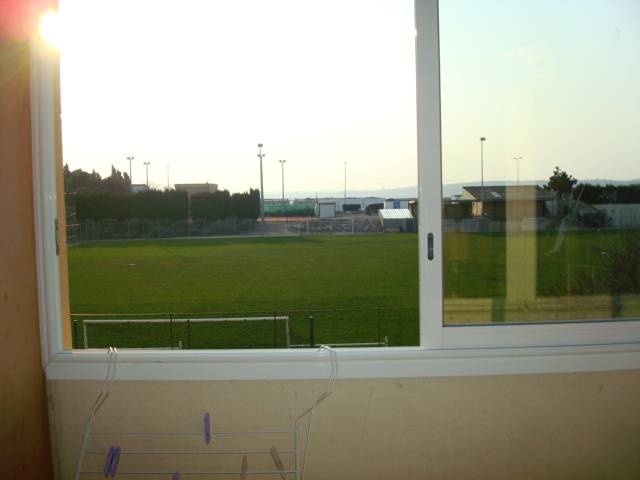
point(95, 198)
point(79, 181)
point(567, 185)
point(599, 194)
point(221, 204)
point(168, 204)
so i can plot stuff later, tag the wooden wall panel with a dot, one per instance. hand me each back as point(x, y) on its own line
point(25, 451)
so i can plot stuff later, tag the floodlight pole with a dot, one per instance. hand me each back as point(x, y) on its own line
point(261, 156)
point(146, 164)
point(130, 178)
point(345, 185)
point(482, 140)
point(282, 162)
point(517, 159)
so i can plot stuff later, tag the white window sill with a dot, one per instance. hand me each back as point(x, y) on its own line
point(354, 363)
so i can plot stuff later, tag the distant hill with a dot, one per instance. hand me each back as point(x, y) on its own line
point(448, 190)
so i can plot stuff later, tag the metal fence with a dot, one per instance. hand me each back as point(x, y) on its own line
point(346, 327)
point(136, 228)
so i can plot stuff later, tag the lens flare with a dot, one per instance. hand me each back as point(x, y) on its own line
point(50, 29)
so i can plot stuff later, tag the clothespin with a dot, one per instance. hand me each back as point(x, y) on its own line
point(278, 462)
point(111, 462)
point(207, 428)
point(114, 464)
point(243, 469)
point(107, 462)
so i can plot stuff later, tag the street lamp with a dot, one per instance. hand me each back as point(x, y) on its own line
point(261, 156)
point(282, 162)
point(482, 140)
point(345, 185)
point(517, 159)
point(146, 164)
point(130, 178)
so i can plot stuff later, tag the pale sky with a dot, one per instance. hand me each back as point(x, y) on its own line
point(198, 83)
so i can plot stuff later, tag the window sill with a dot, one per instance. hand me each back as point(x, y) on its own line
point(354, 363)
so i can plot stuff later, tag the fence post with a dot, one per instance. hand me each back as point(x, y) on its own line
point(312, 339)
point(74, 344)
point(274, 330)
point(171, 331)
point(188, 333)
point(379, 333)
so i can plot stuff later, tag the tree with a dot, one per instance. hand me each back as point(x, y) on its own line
point(78, 181)
point(561, 182)
point(117, 182)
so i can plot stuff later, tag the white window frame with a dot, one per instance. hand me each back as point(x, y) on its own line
point(444, 351)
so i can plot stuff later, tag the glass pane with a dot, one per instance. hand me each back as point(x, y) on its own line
point(541, 160)
point(240, 174)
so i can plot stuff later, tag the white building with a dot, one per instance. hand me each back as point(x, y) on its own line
point(326, 209)
point(396, 219)
point(363, 202)
point(394, 203)
point(192, 188)
point(621, 214)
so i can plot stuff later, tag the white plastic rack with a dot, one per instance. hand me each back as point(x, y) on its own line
point(133, 460)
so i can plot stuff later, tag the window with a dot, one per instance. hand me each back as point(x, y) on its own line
point(197, 163)
point(466, 239)
point(524, 240)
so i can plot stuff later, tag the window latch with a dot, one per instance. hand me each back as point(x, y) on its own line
point(57, 235)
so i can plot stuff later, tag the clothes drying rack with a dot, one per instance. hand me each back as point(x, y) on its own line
point(288, 464)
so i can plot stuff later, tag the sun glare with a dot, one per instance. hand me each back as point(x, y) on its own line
point(50, 29)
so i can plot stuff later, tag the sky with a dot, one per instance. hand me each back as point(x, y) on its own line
point(197, 84)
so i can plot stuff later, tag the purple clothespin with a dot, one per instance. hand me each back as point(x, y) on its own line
point(113, 470)
point(108, 461)
point(175, 476)
point(207, 428)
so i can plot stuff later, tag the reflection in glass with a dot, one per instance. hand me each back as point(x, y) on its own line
point(541, 160)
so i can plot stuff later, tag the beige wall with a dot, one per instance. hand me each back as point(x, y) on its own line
point(562, 426)
point(584, 426)
point(24, 441)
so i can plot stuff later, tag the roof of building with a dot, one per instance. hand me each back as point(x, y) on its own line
point(395, 214)
point(206, 184)
point(501, 193)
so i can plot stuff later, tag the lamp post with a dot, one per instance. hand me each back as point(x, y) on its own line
point(345, 185)
point(517, 159)
point(482, 140)
point(168, 183)
point(146, 165)
point(130, 178)
point(261, 156)
point(282, 162)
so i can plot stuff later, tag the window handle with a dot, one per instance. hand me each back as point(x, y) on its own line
point(430, 246)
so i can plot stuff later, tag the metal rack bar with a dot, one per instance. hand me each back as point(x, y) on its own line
point(199, 434)
point(167, 472)
point(233, 452)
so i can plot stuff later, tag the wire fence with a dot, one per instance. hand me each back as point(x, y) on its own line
point(348, 327)
point(144, 228)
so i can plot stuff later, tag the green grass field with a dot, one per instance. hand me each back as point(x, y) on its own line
point(357, 288)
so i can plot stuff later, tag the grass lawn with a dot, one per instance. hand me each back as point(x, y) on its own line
point(357, 288)
point(295, 276)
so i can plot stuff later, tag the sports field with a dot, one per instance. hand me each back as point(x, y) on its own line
point(358, 288)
